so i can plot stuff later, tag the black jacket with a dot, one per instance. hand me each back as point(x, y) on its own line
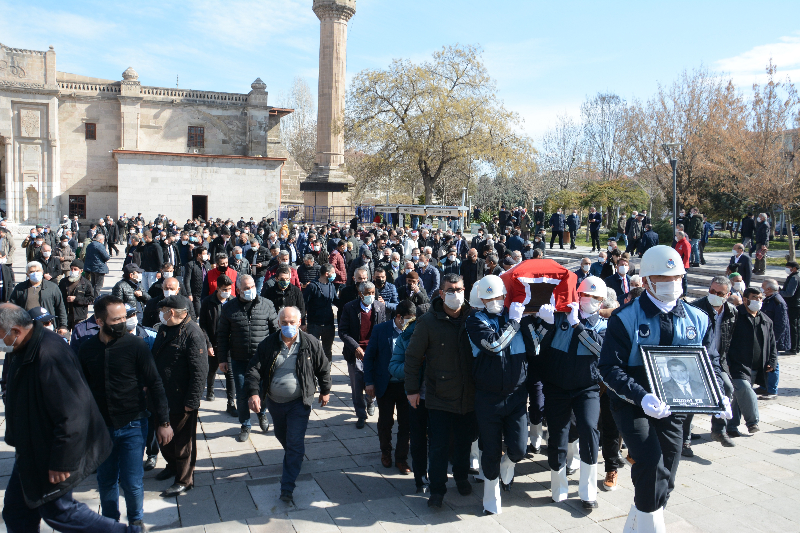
point(728, 322)
point(126, 289)
point(150, 312)
point(291, 296)
point(51, 266)
point(740, 352)
point(49, 298)
point(313, 367)
point(748, 227)
point(318, 300)
point(182, 361)
point(193, 278)
point(8, 283)
point(419, 299)
point(116, 373)
point(210, 309)
point(350, 326)
point(308, 274)
point(52, 420)
point(77, 310)
point(151, 257)
point(614, 282)
point(242, 326)
point(256, 256)
point(744, 267)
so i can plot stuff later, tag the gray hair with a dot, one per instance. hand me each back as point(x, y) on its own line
point(763, 215)
point(771, 284)
point(722, 280)
point(364, 286)
point(100, 237)
point(636, 281)
point(14, 316)
point(361, 269)
point(292, 308)
point(493, 258)
point(610, 301)
point(308, 257)
point(284, 253)
point(241, 279)
point(31, 264)
point(680, 235)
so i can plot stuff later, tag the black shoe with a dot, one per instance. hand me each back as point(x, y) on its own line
point(687, 451)
point(504, 487)
point(244, 434)
point(789, 352)
point(360, 423)
point(371, 409)
point(723, 439)
point(695, 436)
point(423, 489)
point(231, 410)
point(768, 397)
point(760, 390)
point(165, 474)
point(286, 496)
point(435, 500)
point(753, 428)
point(589, 505)
point(210, 397)
point(464, 487)
point(150, 463)
point(733, 433)
point(263, 422)
point(533, 450)
point(571, 471)
point(176, 490)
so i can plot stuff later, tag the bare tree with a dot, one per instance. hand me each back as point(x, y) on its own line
point(603, 118)
point(561, 155)
point(299, 129)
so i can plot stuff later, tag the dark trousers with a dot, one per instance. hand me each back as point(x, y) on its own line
point(289, 422)
point(394, 397)
point(559, 406)
point(442, 425)
point(196, 301)
point(230, 389)
point(536, 401)
point(595, 233)
point(656, 447)
point(113, 246)
point(719, 425)
point(687, 428)
point(181, 451)
point(501, 418)
point(151, 440)
point(560, 235)
point(238, 371)
point(572, 235)
point(62, 514)
point(794, 327)
point(609, 434)
point(97, 281)
point(631, 246)
point(325, 334)
point(418, 422)
point(701, 246)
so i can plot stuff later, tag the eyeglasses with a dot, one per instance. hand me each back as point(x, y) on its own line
point(454, 291)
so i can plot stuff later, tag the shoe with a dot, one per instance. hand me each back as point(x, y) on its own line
point(435, 500)
point(165, 474)
point(504, 487)
point(263, 422)
point(360, 423)
point(176, 490)
point(734, 432)
point(386, 459)
point(695, 436)
point(371, 409)
point(464, 487)
point(244, 434)
point(286, 496)
point(210, 397)
point(589, 505)
point(423, 489)
point(610, 482)
point(231, 410)
point(768, 397)
point(403, 468)
point(760, 390)
point(722, 438)
point(571, 471)
point(532, 450)
point(753, 428)
point(687, 451)
point(150, 463)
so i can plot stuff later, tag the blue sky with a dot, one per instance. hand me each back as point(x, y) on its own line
point(547, 57)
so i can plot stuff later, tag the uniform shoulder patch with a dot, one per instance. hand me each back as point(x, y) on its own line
point(691, 333)
point(644, 330)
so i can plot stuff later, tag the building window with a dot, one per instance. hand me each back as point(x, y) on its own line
point(91, 131)
point(196, 137)
point(77, 206)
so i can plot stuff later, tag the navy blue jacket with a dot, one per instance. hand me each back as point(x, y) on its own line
point(745, 267)
point(648, 240)
point(319, 299)
point(501, 356)
point(389, 294)
point(377, 357)
point(557, 222)
point(515, 243)
point(615, 282)
point(573, 222)
point(594, 221)
point(569, 355)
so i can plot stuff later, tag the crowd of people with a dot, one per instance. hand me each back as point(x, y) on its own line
point(426, 337)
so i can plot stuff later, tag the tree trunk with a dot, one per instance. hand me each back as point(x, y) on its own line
point(426, 181)
point(792, 251)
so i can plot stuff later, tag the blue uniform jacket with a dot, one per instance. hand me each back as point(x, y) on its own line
point(501, 358)
point(642, 323)
point(377, 357)
point(568, 355)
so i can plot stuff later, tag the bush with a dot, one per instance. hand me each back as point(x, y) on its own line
point(664, 230)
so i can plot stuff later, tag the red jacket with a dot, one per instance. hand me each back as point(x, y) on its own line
point(684, 248)
point(212, 276)
point(337, 261)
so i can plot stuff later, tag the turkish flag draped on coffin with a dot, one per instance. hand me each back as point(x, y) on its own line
point(536, 282)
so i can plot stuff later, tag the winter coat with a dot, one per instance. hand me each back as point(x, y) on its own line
point(152, 258)
point(727, 325)
point(350, 326)
point(336, 259)
point(125, 289)
point(377, 357)
point(49, 297)
point(66, 256)
point(308, 274)
point(182, 361)
point(740, 353)
point(775, 308)
point(695, 228)
point(77, 310)
point(95, 259)
point(557, 222)
point(51, 418)
point(193, 278)
point(258, 255)
point(242, 326)
point(762, 233)
point(210, 309)
point(291, 296)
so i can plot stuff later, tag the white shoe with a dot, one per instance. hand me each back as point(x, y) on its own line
point(641, 522)
point(559, 486)
point(491, 496)
point(587, 488)
point(474, 456)
point(536, 436)
point(506, 470)
point(573, 456)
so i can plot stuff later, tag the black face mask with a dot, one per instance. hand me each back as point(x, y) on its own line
point(115, 331)
point(222, 268)
point(380, 283)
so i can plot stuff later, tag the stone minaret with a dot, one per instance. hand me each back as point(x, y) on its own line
point(328, 183)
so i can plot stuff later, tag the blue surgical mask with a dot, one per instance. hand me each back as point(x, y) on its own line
point(36, 277)
point(249, 294)
point(368, 299)
point(331, 277)
point(289, 331)
point(239, 256)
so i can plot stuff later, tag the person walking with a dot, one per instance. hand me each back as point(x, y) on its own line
point(210, 310)
point(95, 262)
point(318, 298)
point(791, 295)
point(38, 292)
point(557, 228)
point(77, 294)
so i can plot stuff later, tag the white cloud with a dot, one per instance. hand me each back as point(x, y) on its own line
point(749, 67)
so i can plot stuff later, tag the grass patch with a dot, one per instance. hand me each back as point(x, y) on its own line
point(725, 244)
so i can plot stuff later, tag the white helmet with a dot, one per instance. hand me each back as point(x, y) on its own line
point(474, 300)
point(661, 261)
point(490, 287)
point(593, 286)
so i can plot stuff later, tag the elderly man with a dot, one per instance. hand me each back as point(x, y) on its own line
point(583, 271)
point(245, 321)
point(428, 275)
point(182, 361)
point(51, 264)
point(743, 264)
point(775, 308)
point(77, 293)
point(597, 266)
point(289, 364)
point(38, 292)
point(95, 261)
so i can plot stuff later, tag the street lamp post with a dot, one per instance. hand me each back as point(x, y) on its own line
point(673, 162)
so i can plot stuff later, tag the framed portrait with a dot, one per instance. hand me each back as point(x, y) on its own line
point(682, 377)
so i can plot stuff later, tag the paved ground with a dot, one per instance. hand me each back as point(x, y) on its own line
point(752, 487)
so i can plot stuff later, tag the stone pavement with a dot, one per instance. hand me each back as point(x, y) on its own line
point(752, 487)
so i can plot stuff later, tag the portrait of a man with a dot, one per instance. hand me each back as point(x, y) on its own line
point(683, 383)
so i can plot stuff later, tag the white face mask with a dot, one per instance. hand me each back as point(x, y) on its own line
point(73, 277)
point(454, 301)
point(166, 275)
point(589, 305)
point(739, 286)
point(788, 271)
point(715, 300)
point(754, 305)
point(623, 269)
point(601, 259)
point(610, 248)
point(586, 268)
point(168, 293)
point(666, 291)
point(494, 307)
point(131, 323)
point(162, 318)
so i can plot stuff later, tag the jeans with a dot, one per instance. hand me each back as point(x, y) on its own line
point(148, 278)
point(418, 418)
point(747, 403)
point(259, 284)
point(442, 425)
point(62, 514)
point(694, 256)
point(357, 387)
point(289, 422)
point(123, 468)
point(623, 237)
point(772, 379)
point(239, 369)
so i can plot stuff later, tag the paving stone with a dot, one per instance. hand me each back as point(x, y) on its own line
point(307, 494)
point(273, 524)
point(525, 521)
point(202, 479)
point(235, 474)
point(339, 488)
point(231, 526)
point(226, 461)
point(234, 501)
point(389, 509)
point(197, 507)
point(325, 465)
point(352, 515)
point(312, 521)
point(271, 457)
point(325, 450)
point(362, 445)
point(371, 484)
